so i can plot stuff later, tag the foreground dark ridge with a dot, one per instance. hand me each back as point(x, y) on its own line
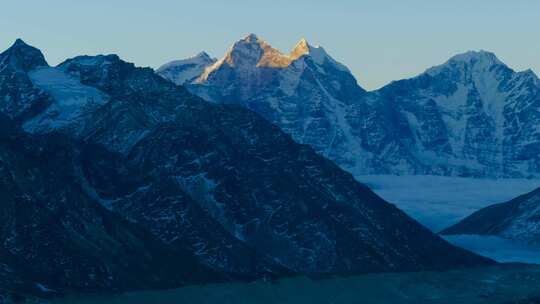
point(215, 182)
point(56, 237)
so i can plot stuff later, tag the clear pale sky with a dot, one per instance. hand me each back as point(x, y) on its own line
point(379, 40)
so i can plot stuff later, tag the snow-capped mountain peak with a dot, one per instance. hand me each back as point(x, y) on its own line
point(186, 70)
point(473, 115)
point(22, 56)
point(316, 53)
point(470, 115)
point(203, 56)
point(247, 55)
point(304, 91)
point(301, 48)
point(256, 51)
point(200, 58)
point(252, 52)
point(471, 62)
point(476, 56)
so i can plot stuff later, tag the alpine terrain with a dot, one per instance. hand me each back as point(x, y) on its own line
point(114, 178)
point(471, 116)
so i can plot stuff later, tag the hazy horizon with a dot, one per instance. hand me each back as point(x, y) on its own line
point(379, 41)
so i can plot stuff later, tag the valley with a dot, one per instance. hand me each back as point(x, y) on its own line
point(491, 285)
point(440, 201)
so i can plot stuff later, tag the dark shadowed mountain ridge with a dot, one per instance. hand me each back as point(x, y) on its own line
point(218, 182)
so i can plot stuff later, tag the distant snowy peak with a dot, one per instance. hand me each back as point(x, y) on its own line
point(203, 57)
point(252, 52)
point(22, 56)
point(302, 48)
point(471, 62)
point(247, 54)
point(316, 53)
point(472, 115)
point(484, 72)
point(475, 57)
point(186, 70)
point(255, 51)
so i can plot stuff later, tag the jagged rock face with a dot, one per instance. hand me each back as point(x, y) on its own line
point(194, 148)
point(305, 92)
point(166, 205)
point(136, 103)
point(21, 56)
point(470, 116)
point(56, 238)
point(295, 226)
point(518, 219)
point(19, 99)
point(224, 183)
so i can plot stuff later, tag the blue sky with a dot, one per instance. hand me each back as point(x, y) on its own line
point(379, 41)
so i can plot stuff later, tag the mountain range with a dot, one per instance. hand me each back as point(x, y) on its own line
point(471, 116)
point(115, 179)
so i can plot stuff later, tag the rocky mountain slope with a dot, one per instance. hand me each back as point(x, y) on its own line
point(54, 236)
point(217, 181)
point(472, 116)
point(280, 199)
point(517, 219)
point(306, 93)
